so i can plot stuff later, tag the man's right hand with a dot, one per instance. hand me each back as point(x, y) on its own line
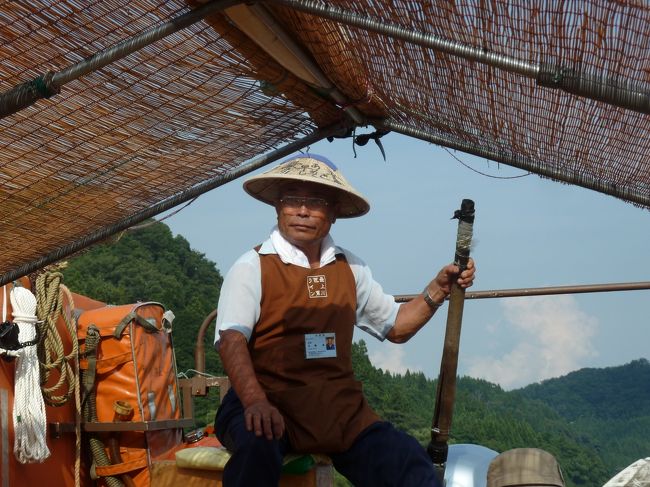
point(264, 419)
point(260, 415)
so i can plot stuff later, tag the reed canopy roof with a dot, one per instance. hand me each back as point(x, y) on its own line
point(88, 148)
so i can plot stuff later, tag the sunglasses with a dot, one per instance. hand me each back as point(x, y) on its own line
point(310, 203)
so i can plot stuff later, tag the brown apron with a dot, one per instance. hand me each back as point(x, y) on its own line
point(322, 404)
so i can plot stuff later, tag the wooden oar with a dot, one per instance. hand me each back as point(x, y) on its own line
point(446, 392)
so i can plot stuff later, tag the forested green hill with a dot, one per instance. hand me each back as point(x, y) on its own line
point(486, 415)
point(595, 421)
point(152, 265)
point(611, 406)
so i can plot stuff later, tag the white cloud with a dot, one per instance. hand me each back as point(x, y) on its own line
point(552, 334)
point(390, 356)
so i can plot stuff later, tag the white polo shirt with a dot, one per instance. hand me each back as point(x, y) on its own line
point(241, 292)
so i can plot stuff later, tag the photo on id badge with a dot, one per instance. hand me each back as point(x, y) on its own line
point(320, 345)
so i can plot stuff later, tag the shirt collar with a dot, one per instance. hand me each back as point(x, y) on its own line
point(290, 254)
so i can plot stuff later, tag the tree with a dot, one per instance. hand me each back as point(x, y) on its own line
point(151, 264)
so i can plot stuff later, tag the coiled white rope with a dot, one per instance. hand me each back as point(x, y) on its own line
point(3, 351)
point(30, 427)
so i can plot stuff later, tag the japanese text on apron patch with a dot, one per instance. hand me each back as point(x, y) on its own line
point(317, 286)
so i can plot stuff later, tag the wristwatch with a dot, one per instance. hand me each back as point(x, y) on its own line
point(429, 300)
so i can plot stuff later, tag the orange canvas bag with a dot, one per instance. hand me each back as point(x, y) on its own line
point(128, 376)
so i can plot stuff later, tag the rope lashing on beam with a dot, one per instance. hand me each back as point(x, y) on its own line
point(28, 93)
point(597, 87)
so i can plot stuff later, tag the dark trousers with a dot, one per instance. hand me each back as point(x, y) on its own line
point(382, 456)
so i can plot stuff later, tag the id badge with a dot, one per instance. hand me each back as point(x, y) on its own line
point(320, 345)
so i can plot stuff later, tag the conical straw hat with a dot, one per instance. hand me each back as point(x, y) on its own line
point(524, 467)
point(313, 169)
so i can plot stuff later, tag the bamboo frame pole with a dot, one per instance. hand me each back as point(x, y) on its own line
point(299, 54)
point(634, 195)
point(446, 392)
point(597, 87)
point(50, 83)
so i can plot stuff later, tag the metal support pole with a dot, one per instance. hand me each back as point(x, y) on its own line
point(545, 291)
point(634, 195)
point(199, 347)
point(597, 87)
point(50, 83)
point(175, 200)
point(423, 39)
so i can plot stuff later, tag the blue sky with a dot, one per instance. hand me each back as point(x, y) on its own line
point(529, 232)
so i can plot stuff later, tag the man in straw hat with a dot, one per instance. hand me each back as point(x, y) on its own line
point(279, 304)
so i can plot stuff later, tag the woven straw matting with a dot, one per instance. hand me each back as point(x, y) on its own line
point(191, 107)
